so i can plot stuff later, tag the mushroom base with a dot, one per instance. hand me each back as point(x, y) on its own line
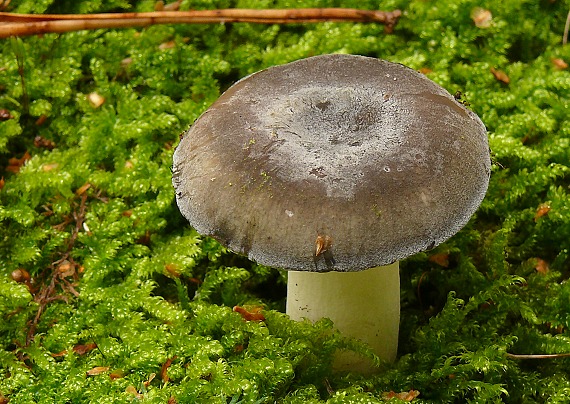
point(364, 305)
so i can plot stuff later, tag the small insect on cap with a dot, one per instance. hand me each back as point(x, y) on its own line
point(333, 162)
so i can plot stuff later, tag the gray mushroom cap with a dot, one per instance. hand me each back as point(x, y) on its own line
point(334, 162)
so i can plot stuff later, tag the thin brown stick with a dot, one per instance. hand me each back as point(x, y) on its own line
point(566, 28)
point(47, 293)
point(32, 24)
point(537, 356)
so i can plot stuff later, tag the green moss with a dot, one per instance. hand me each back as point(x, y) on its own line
point(121, 284)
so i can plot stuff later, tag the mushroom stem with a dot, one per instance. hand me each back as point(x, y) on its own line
point(364, 305)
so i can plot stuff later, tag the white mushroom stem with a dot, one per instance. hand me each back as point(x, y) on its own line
point(364, 305)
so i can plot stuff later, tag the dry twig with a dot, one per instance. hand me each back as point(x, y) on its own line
point(566, 28)
point(537, 356)
point(48, 292)
point(33, 24)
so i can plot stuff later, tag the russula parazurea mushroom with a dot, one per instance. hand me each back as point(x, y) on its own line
point(334, 167)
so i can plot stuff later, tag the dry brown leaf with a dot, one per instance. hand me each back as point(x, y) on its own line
point(49, 167)
point(500, 75)
point(174, 6)
point(541, 266)
point(322, 244)
point(160, 6)
point(132, 390)
point(116, 374)
point(250, 313)
point(83, 349)
point(78, 349)
point(167, 45)
point(150, 379)
point(404, 395)
point(14, 163)
point(542, 210)
point(560, 64)
point(59, 354)
point(81, 190)
point(97, 370)
point(441, 259)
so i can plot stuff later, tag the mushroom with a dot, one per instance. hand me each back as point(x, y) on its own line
point(334, 167)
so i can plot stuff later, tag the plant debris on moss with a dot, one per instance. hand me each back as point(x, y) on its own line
point(108, 295)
